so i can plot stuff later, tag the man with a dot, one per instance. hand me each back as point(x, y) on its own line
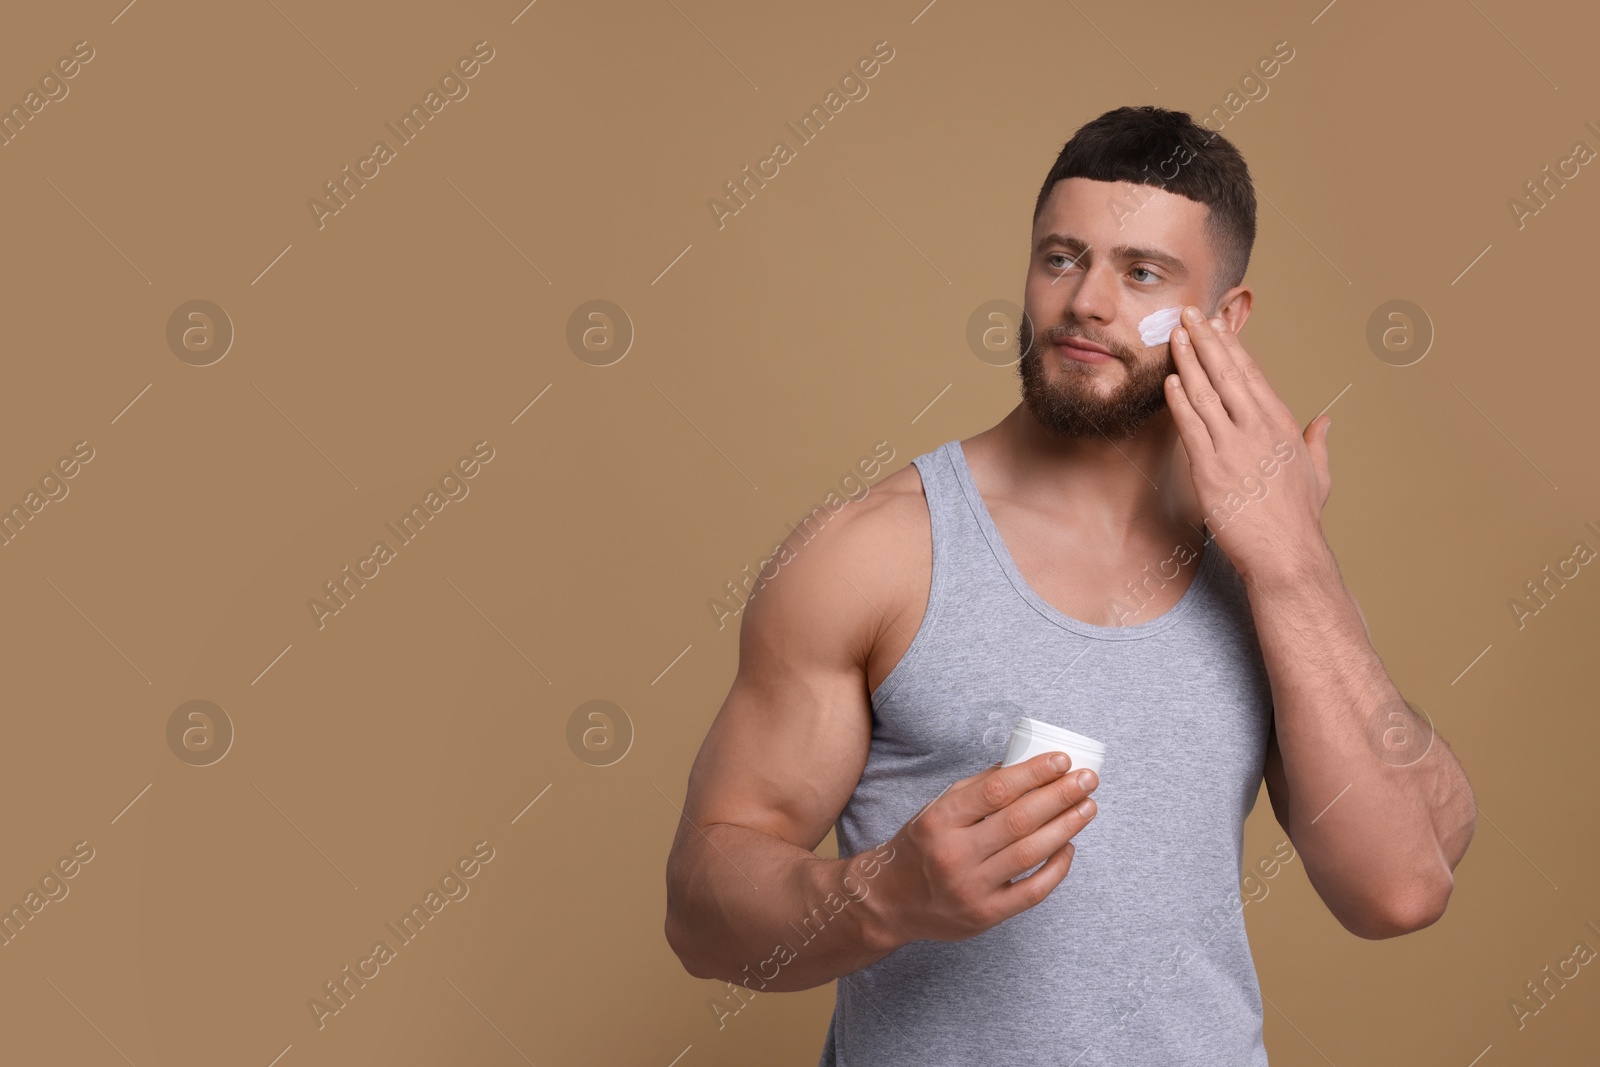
point(1133, 553)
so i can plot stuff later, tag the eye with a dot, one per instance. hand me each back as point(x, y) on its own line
point(1153, 275)
point(1060, 255)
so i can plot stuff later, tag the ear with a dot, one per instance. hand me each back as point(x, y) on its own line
point(1234, 307)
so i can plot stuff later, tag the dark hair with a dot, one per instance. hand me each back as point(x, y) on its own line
point(1146, 145)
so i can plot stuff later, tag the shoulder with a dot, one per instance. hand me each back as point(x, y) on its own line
point(870, 530)
point(850, 565)
point(860, 527)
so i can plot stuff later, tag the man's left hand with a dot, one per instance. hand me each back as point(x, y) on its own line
point(1261, 481)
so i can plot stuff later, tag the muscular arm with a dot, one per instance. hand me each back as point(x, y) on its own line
point(1380, 830)
point(781, 759)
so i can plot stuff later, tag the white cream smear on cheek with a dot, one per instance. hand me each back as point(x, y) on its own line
point(1156, 327)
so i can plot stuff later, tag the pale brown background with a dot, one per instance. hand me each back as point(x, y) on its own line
point(769, 358)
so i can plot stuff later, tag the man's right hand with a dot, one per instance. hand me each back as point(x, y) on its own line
point(950, 876)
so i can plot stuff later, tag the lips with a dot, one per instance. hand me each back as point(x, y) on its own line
point(1085, 351)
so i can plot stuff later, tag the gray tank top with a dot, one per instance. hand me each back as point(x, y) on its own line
point(1139, 956)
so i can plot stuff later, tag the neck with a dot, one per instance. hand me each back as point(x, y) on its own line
point(1121, 490)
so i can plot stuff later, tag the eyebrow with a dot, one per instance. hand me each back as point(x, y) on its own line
point(1121, 252)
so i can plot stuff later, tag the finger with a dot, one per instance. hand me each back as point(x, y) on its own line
point(1217, 362)
point(1249, 370)
point(988, 792)
point(1191, 428)
point(1317, 446)
point(1028, 852)
point(973, 777)
point(1031, 811)
point(1024, 893)
point(1255, 379)
point(1197, 387)
point(1250, 391)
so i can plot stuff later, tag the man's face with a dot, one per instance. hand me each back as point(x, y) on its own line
point(1103, 256)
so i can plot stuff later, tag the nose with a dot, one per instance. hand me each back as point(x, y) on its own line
point(1094, 298)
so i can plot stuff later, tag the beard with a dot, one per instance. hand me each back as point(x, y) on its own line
point(1074, 403)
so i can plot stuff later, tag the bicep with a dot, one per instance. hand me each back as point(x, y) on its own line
point(789, 744)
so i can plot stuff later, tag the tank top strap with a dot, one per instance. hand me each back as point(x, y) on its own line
point(963, 561)
point(964, 570)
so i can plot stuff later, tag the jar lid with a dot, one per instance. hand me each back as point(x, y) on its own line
point(1060, 735)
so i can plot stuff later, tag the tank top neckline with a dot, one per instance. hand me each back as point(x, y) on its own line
point(1132, 632)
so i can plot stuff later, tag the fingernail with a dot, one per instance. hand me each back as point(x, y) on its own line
point(1086, 779)
point(1058, 762)
point(1218, 324)
point(1192, 314)
point(1086, 807)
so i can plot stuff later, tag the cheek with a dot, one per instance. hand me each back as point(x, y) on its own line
point(1155, 327)
point(1045, 303)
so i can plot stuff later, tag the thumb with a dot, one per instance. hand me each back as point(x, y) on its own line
point(1316, 438)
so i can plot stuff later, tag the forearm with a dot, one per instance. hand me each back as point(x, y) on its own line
point(750, 908)
point(1380, 828)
